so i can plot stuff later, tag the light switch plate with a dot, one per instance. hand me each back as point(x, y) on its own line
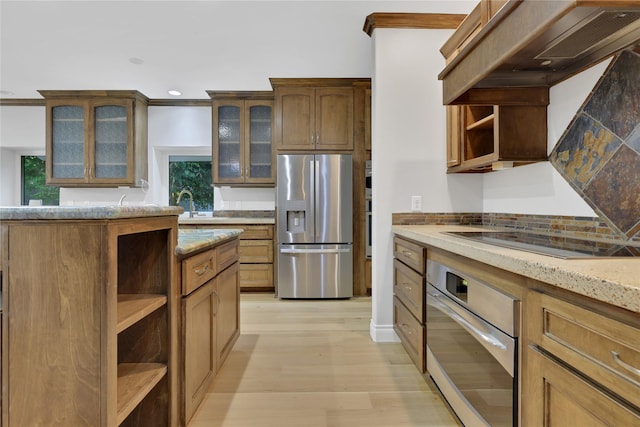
point(416, 203)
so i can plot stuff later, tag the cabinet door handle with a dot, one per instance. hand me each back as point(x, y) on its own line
point(632, 369)
point(201, 271)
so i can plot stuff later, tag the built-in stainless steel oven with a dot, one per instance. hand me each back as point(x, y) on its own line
point(472, 346)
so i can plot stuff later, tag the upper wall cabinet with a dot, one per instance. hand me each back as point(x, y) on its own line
point(531, 43)
point(242, 145)
point(486, 136)
point(313, 114)
point(96, 138)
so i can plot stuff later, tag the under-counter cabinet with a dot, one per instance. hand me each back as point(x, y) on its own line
point(242, 141)
point(256, 250)
point(582, 367)
point(409, 269)
point(210, 322)
point(313, 114)
point(90, 320)
point(96, 138)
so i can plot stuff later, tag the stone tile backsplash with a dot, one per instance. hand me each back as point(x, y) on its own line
point(557, 225)
point(599, 153)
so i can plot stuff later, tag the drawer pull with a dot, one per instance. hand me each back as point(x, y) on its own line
point(407, 253)
point(201, 271)
point(616, 358)
point(407, 328)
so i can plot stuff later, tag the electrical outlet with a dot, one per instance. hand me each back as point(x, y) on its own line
point(416, 203)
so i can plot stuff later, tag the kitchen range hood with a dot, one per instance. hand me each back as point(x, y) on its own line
point(534, 43)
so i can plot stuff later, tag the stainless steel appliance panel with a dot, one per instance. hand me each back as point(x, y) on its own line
point(315, 225)
point(315, 271)
point(470, 358)
point(295, 198)
point(334, 198)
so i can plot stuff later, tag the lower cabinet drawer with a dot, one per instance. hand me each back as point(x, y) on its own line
point(197, 270)
point(411, 332)
point(256, 275)
point(604, 349)
point(227, 254)
point(409, 287)
point(256, 251)
point(559, 397)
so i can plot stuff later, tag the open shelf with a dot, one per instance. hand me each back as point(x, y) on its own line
point(135, 307)
point(135, 381)
point(484, 123)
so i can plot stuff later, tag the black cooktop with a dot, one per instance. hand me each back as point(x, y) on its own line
point(556, 246)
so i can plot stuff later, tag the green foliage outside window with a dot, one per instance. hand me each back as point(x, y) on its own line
point(33, 182)
point(194, 174)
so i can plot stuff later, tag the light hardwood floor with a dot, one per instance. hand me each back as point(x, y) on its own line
point(312, 364)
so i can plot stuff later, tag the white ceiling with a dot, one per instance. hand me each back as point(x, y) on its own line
point(191, 46)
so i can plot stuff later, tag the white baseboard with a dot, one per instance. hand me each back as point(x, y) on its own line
point(382, 333)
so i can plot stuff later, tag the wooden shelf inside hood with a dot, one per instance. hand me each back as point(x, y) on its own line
point(532, 43)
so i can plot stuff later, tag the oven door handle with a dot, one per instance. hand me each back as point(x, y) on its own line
point(489, 336)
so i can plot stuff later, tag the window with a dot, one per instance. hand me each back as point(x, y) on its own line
point(33, 182)
point(194, 174)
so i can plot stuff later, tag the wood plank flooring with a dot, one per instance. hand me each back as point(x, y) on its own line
point(312, 364)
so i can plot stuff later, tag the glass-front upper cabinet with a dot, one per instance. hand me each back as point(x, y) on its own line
point(96, 138)
point(242, 147)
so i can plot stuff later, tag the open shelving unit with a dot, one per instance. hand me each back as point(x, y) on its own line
point(99, 296)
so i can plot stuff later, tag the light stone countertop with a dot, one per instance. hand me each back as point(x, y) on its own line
point(84, 212)
point(191, 241)
point(613, 280)
point(203, 220)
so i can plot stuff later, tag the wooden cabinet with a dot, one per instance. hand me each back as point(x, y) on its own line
point(583, 367)
point(242, 141)
point(96, 138)
point(409, 282)
point(199, 311)
point(482, 138)
point(313, 114)
point(210, 321)
point(256, 251)
point(228, 319)
point(91, 322)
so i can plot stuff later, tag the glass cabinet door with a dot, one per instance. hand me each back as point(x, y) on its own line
point(68, 142)
point(111, 142)
point(259, 135)
point(229, 142)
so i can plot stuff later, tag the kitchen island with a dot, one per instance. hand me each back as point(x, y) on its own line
point(209, 320)
point(103, 314)
point(89, 315)
point(577, 322)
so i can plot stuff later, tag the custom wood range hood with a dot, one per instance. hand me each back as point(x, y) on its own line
point(534, 43)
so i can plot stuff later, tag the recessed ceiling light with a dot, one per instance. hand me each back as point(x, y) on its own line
point(136, 61)
point(174, 92)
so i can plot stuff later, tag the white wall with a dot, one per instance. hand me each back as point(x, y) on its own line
point(408, 150)
point(538, 189)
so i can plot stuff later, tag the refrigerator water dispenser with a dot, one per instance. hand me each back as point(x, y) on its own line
point(296, 221)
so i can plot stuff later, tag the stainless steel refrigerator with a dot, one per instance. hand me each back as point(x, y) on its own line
point(315, 225)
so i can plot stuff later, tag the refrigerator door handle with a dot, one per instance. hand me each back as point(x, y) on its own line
point(316, 192)
point(315, 251)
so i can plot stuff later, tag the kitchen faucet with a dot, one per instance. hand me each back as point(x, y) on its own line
point(187, 192)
